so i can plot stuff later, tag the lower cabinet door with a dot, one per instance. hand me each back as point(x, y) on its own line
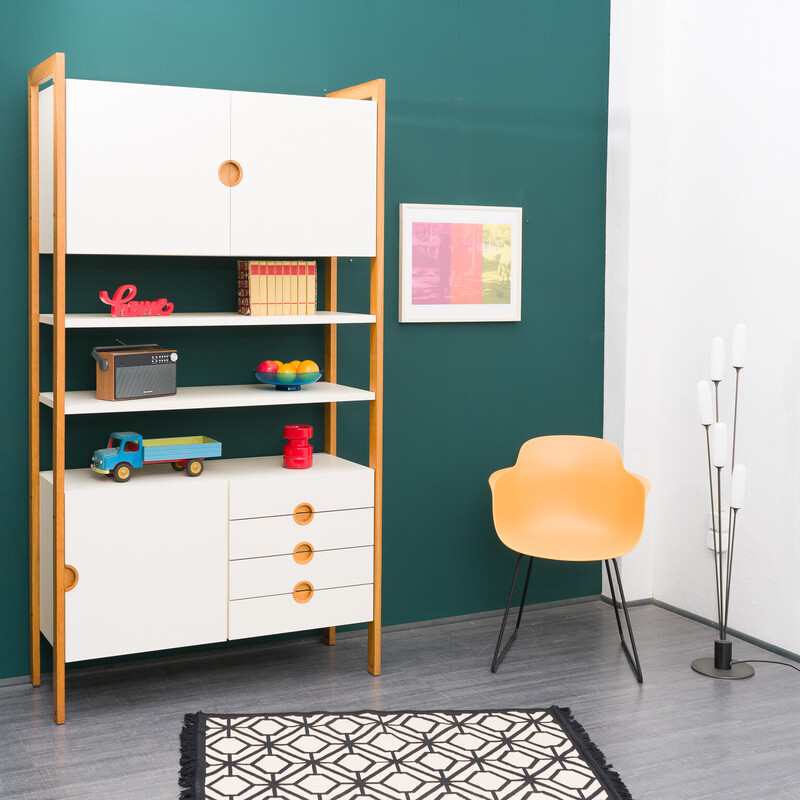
point(151, 560)
point(261, 616)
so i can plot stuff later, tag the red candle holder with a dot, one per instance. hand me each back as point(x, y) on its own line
point(298, 453)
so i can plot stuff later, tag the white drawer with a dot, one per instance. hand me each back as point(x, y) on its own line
point(260, 616)
point(256, 577)
point(274, 536)
point(332, 484)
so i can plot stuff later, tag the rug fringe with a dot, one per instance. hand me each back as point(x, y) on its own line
point(595, 753)
point(188, 771)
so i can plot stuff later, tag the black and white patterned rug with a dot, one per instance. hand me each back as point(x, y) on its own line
point(394, 755)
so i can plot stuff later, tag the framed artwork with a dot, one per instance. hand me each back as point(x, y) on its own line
point(460, 263)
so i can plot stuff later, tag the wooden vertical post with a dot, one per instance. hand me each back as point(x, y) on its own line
point(59, 357)
point(33, 380)
point(375, 91)
point(53, 68)
point(331, 354)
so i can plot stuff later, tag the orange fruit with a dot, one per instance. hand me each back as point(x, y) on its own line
point(295, 364)
point(308, 366)
point(286, 373)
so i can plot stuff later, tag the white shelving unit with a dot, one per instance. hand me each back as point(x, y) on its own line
point(114, 153)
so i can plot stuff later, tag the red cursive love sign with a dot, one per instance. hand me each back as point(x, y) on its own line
point(123, 305)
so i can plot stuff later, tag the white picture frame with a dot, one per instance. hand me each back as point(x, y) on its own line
point(460, 263)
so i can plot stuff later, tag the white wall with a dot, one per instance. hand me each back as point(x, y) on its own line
point(725, 241)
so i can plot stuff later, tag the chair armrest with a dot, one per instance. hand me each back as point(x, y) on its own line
point(643, 481)
point(495, 475)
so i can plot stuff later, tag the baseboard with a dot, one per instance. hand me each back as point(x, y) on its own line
point(644, 601)
point(779, 651)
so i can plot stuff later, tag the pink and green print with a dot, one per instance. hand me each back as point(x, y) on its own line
point(456, 263)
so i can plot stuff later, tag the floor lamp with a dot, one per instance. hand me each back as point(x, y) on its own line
point(721, 665)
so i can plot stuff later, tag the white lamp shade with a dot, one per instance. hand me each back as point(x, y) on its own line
point(719, 444)
point(737, 486)
point(739, 346)
point(717, 358)
point(704, 404)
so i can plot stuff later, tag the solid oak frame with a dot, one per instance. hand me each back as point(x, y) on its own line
point(54, 69)
point(51, 69)
point(376, 92)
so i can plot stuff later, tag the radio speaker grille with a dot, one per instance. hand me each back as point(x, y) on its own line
point(146, 380)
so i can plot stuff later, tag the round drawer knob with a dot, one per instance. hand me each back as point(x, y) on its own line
point(70, 577)
point(303, 514)
point(230, 172)
point(303, 592)
point(303, 553)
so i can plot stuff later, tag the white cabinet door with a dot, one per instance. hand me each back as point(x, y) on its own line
point(151, 557)
point(142, 170)
point(308, 176)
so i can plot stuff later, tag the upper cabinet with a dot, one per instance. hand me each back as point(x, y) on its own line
point(308, 175)
point(143, 172)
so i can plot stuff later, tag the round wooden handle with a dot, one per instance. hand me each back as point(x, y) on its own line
point(230, 172)
point(303, 553)
point(303, 514)
point(303, 592)
point(70, 577)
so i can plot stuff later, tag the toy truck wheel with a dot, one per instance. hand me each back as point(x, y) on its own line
point(122, 473)
point(194, 468)
point(178, 466)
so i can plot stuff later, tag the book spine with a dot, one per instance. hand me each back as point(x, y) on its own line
point(302, 286)
point(311, 289)
point(293, 287)
point(255, 299)
point(262, 287)
point(270, 289)
point(243, 288)
point(287, 287)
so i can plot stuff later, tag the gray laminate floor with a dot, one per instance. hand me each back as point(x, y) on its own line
point(677, 736)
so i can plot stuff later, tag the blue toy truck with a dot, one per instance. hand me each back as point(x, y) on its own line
point(128, 451)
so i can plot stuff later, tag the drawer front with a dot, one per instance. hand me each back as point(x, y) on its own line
point(275, 536)
point(348, 487)
point(282, 613)
point(256, 577)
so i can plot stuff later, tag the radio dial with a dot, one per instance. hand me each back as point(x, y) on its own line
point(173, 356)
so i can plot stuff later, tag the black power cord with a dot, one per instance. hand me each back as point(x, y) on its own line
point(765, 661)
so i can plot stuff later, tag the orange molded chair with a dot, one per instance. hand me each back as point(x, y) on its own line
point(569, 498)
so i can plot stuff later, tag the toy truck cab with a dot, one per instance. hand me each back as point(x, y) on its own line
point(125, 451)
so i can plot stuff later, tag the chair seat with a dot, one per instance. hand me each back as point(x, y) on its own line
point(565, 538)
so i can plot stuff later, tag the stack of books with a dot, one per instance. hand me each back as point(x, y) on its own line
point(274, 288)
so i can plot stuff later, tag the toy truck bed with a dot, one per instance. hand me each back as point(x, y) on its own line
point(180, 448)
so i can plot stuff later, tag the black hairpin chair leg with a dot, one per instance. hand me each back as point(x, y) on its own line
point(498, 655)
point(632, 660)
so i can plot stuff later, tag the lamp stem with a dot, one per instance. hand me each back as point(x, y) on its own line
point(719, 554)
point(735, 415)
point(731, 540)
point(716, 400)
point(717, 576)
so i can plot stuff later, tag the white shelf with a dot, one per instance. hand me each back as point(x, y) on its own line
point(206, 319)
point(254, 394)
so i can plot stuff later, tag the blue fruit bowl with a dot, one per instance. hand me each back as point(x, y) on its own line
point(287, 382)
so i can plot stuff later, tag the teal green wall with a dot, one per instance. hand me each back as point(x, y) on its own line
point(488, 103)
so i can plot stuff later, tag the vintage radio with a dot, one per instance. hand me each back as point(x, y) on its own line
point(127, 372)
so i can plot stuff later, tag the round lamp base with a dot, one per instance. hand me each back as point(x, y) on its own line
point(738, 670)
